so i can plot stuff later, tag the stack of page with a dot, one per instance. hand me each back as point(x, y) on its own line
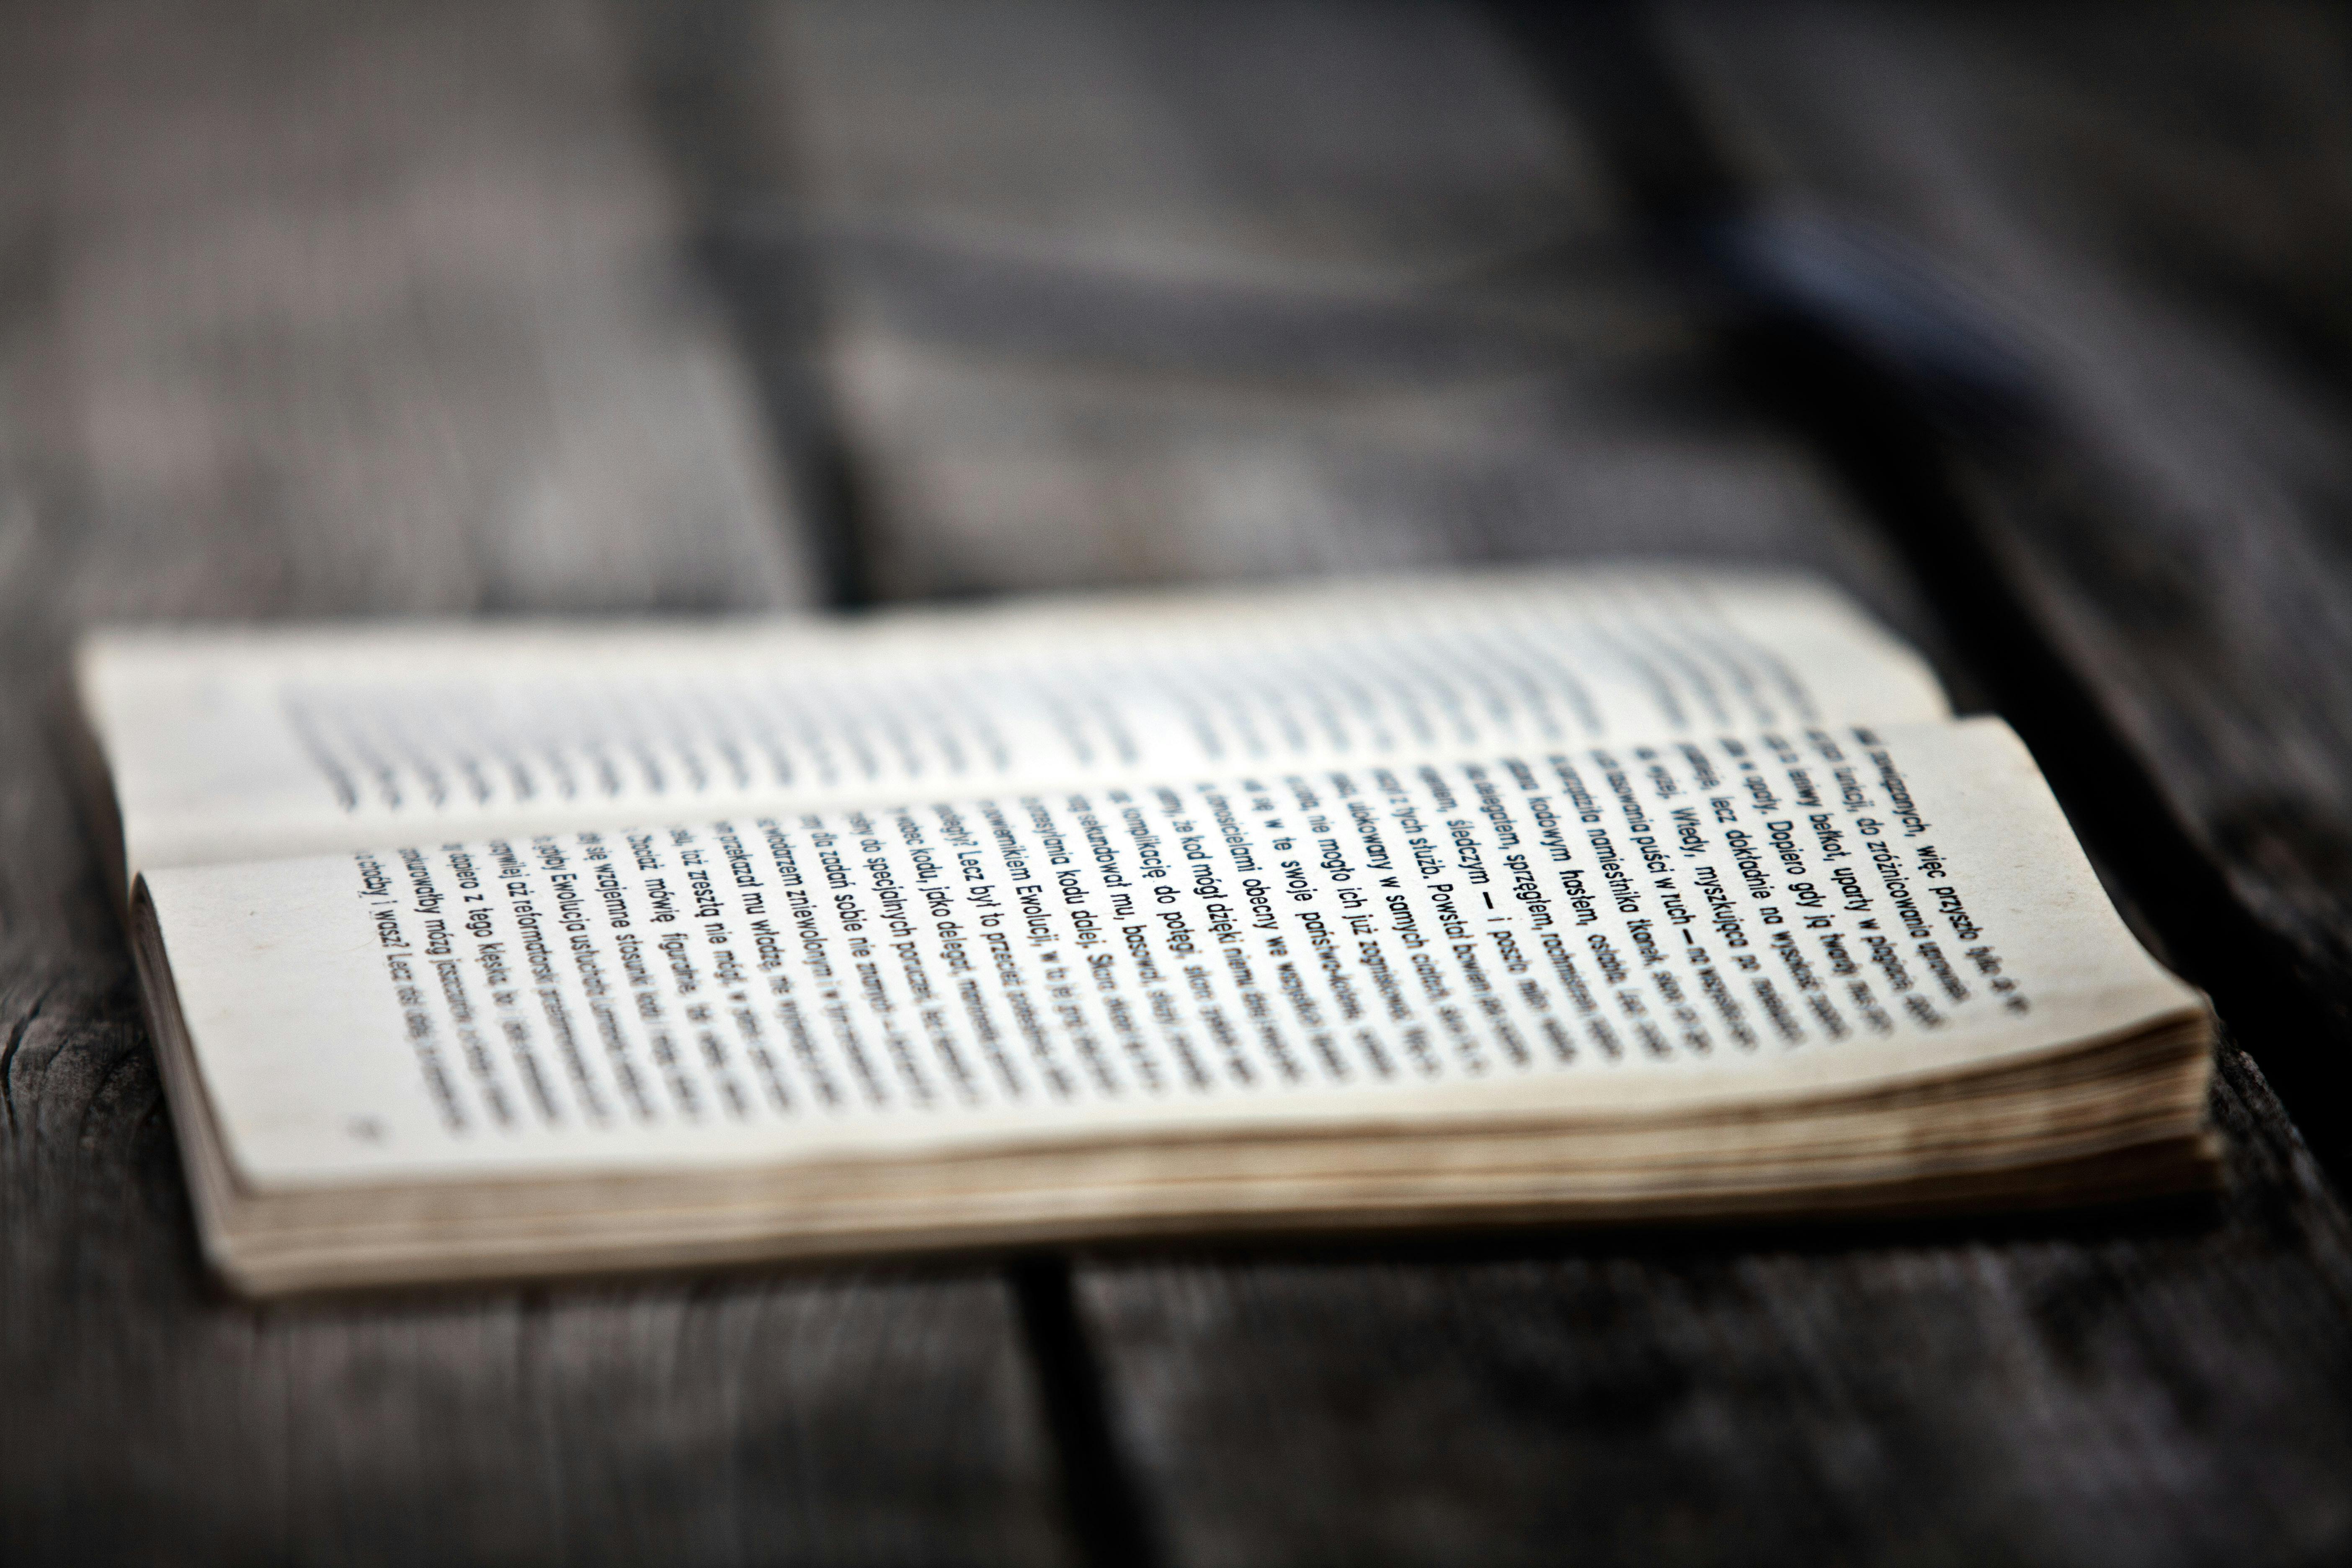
point(1613, 894)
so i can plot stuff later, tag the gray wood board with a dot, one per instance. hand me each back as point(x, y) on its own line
point(1102, 313)
point(344, 311)
point(1040, 387)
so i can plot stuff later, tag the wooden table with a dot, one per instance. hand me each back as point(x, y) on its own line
point(438, 307)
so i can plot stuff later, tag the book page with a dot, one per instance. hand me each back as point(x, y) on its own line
point(229, 745)
point(1575, 931)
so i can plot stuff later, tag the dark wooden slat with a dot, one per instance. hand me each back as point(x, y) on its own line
point(1042, 388)
point(354, 311)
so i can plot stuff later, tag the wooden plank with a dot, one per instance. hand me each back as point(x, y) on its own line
point(344, 279)
point(1181, 143)
point(362, 311)
point(1081, 336)
point(1042, 387)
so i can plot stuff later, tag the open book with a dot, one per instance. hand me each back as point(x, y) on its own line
point(1608, 894)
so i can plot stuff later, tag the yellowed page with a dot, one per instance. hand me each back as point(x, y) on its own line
point(228, 744)
point(1547, 934)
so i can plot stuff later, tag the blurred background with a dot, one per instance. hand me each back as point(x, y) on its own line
point(723, 302)
point(2032, 325)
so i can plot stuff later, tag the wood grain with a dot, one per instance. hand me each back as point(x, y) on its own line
point(361, 311)
point(1041, 386)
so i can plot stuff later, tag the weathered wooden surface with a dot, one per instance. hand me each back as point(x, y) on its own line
point(316, 313)
point(352, 310)
point(1048, 378)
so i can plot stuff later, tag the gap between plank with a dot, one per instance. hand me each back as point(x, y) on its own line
point(1105, 1511)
